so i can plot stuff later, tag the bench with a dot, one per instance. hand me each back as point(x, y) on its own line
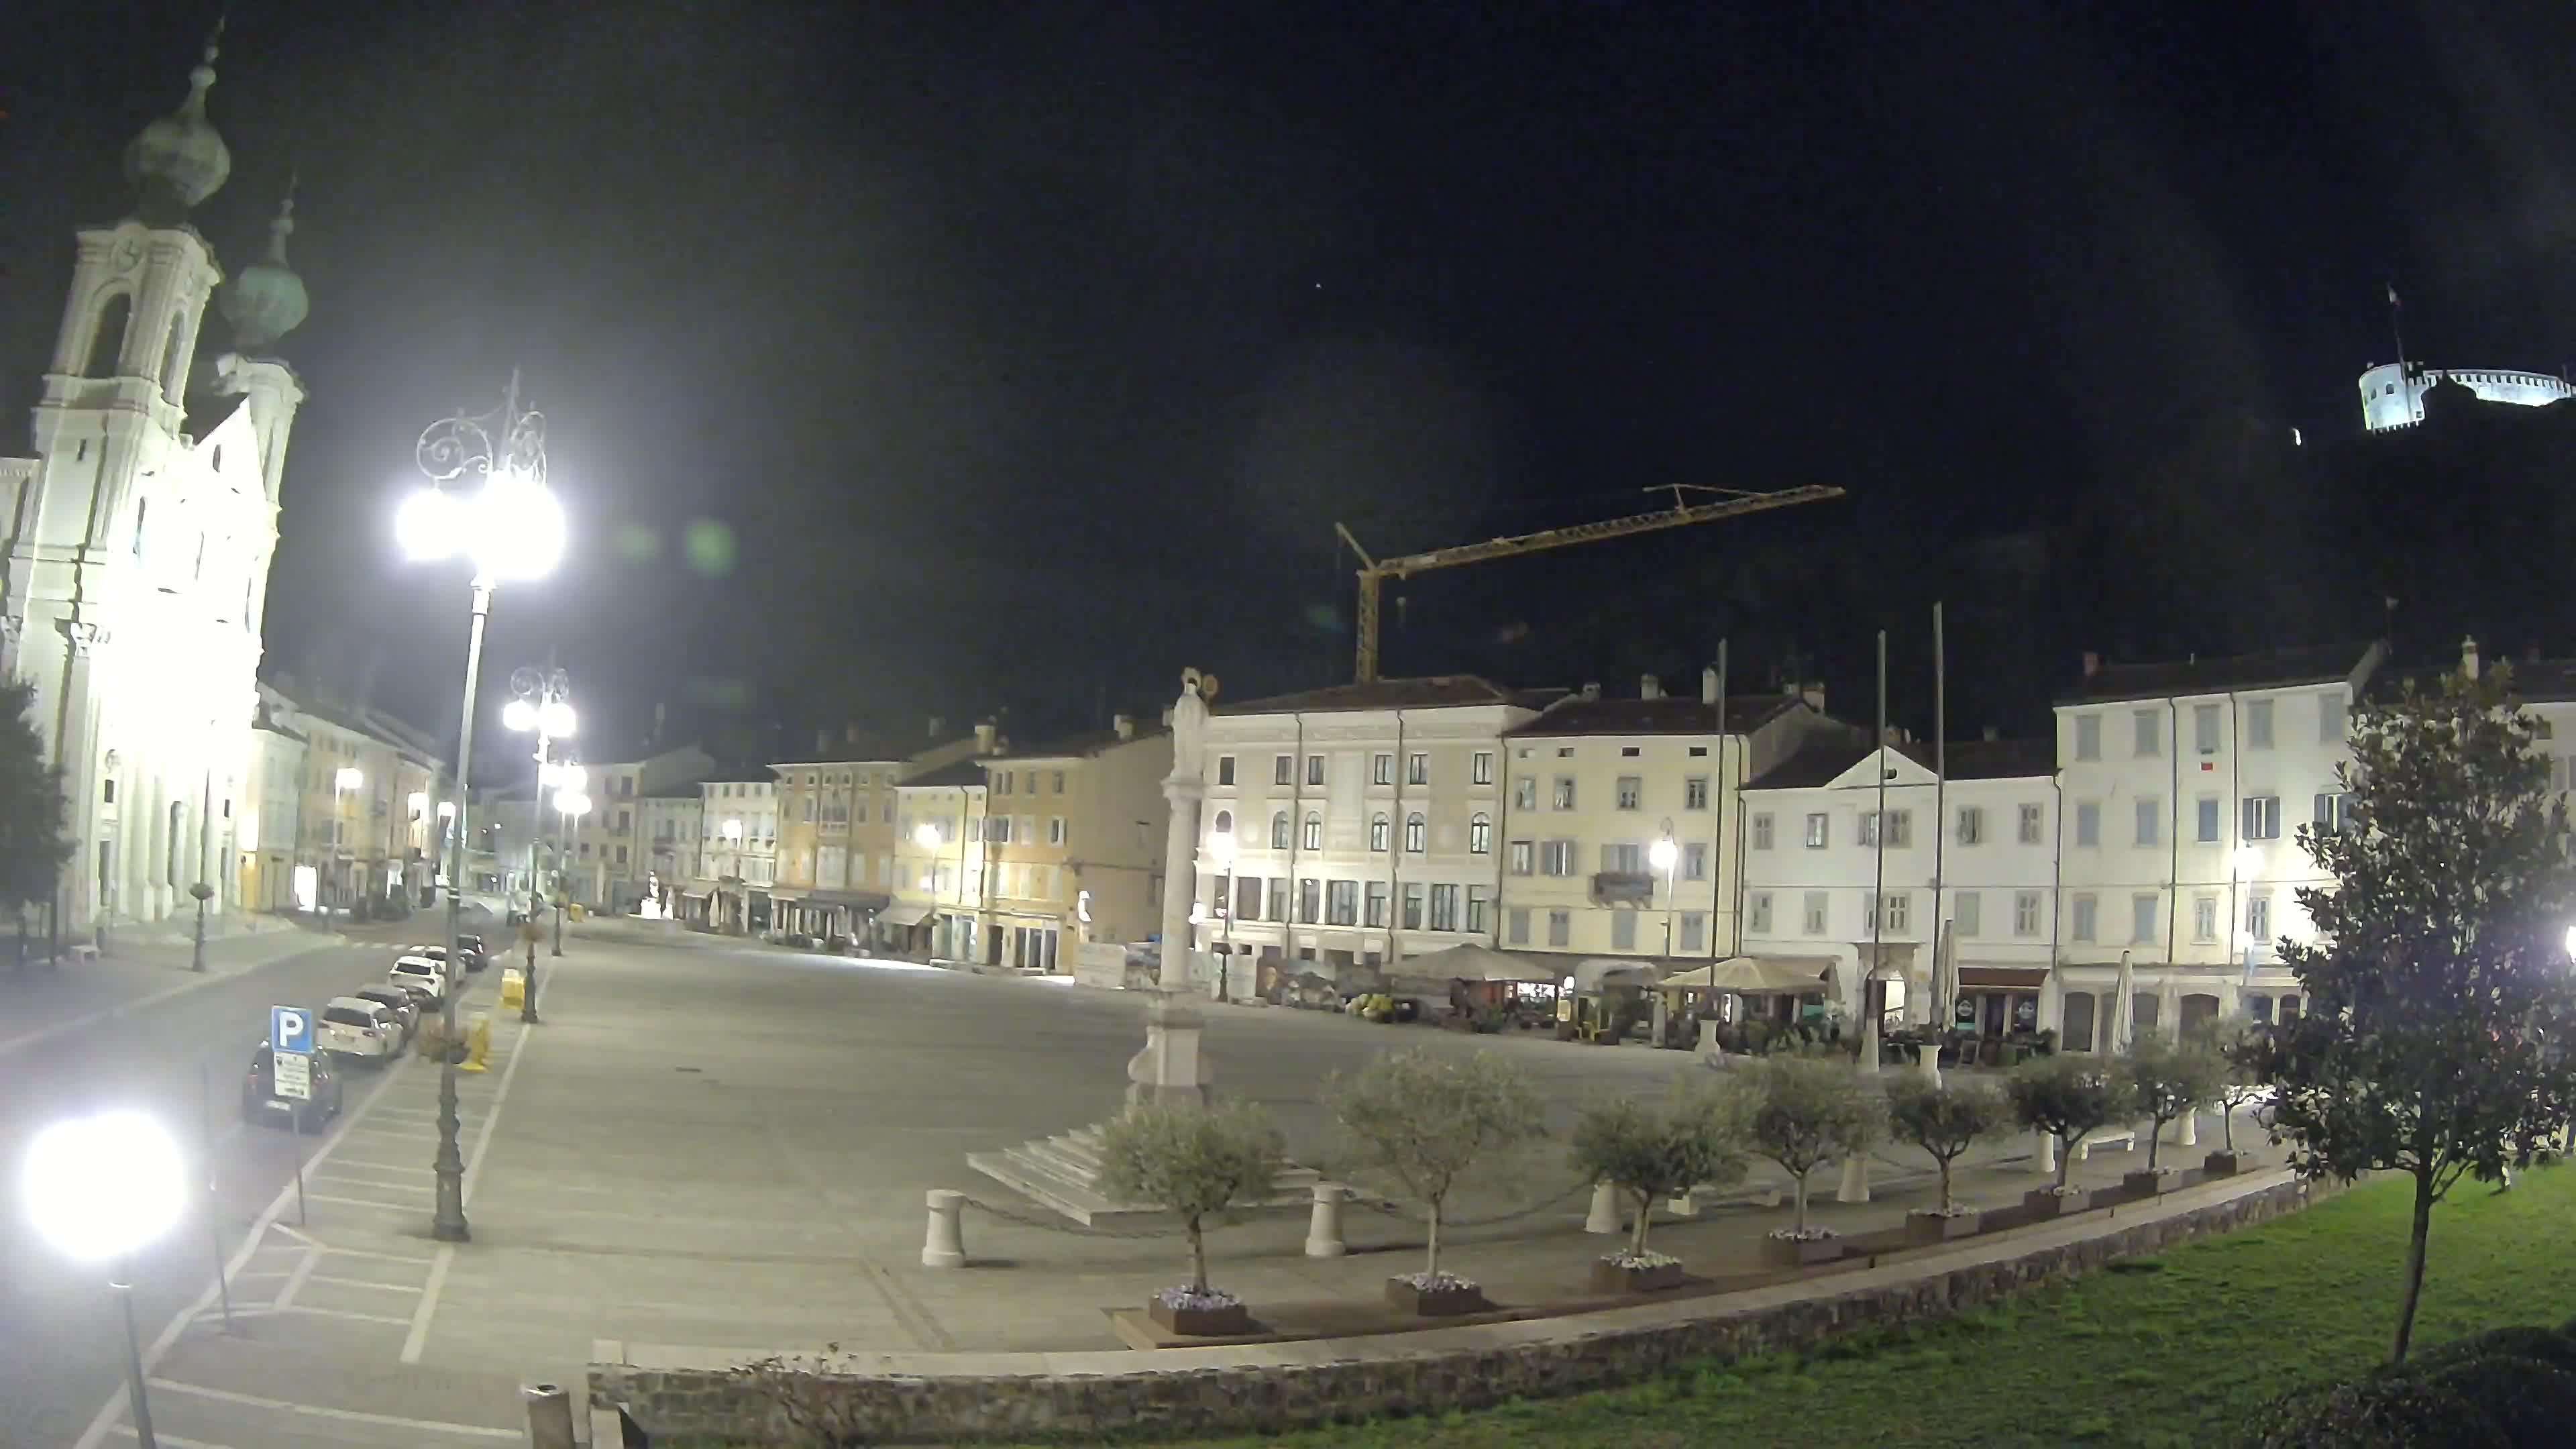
point(2125, 1138)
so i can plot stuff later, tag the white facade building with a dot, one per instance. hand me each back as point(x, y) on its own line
point(612, 866)
point(2392, 396)
point(669, 827)
point(140, 534)
point(737, 848)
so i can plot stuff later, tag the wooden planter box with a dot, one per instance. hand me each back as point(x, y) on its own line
point(2044, 1204)
point(1934, 1228)
point(1609, 1277)
point(1438, 1302)
point(1212, 1322)
point(2223, 1163)
point(2148, 1184)
point(1800, 1253)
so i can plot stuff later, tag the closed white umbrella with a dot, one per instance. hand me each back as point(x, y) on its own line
point(2124, 1008)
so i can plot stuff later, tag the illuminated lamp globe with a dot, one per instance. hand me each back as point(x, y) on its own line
point(1221, 848)
point(518, 530)
point(348, 777)
point(102, 1187)
point(519, 716)
point(571, 802)
point(1663, 853)
point(430, 525)
point(556, 717)
point(925, 835)
point(2571, 942)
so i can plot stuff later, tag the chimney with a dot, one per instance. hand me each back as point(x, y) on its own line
point(822, 742)
point(935, 723)
point(1991, 734)
point(1592, 689)
point(1813, 692)
point(1708, 685)
point(850, 733)
point(1124, 725)
point(2092, 663)
point(1650, 687)
point(2468, 656)
point(1895, 735)
point(984, 737)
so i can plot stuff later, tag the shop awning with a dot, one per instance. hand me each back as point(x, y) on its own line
point(853, 900)
point(1756, 975)
point(2003, 978)
point(903, 915)
point(1471, 962)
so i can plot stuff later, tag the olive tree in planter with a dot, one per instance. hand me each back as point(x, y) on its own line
point(1649, 1154)
point(2237, 1047)
point(1197, 1162)
point(1417, 1122)
point(1944, 1119)
point(2166, 1081)
point(2065, 1097)
point(1803, 1112)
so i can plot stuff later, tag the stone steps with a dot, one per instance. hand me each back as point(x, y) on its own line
point(1060, 1172)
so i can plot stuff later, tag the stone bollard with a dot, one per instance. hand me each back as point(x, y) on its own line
point(2043, 1155)
point(2187, 1130)
point(1604, 1216)
point(1685, 1206)
point(549, 1416)
point(1324, 1225)
point(1855, 1184)
point(945, 1246)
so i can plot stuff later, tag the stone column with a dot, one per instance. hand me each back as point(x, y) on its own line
point(1172, 1067)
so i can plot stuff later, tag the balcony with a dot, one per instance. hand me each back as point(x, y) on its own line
point(1624, 886)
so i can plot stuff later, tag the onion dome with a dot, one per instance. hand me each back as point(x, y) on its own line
point(178, 160)
point(267, 300)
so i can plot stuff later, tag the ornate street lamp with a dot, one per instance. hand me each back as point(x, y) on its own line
point(101, 1189)
point(486, 502)
point(538, 703)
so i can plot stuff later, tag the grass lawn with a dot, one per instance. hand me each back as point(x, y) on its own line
point(2165, 1351)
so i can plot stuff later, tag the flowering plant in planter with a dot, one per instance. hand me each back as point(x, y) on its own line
point(1196, 1161)
point(2065, 1097)
point(1649, 1153)
point(1418, 1121)
point(1944, 1120)
point(1803, 1112)
point(1434, 1295)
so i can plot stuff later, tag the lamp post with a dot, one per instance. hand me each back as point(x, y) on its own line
point(538, 703)
point(100, 1189)
point(572, 803)
point(203, 892)
point(733, 851)
point(510, 528)
point(1221, 849)
point(1662, 855)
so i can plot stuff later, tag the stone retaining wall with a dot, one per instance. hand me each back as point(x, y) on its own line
point(688, 1397)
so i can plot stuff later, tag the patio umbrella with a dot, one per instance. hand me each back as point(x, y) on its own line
point(1595, 972)
point(1755, 976)
point(2124, 1009)
point(1471, 962)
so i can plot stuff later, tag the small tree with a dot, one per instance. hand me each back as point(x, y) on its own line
point(1419, 1121)
point(2238, 1047)
point(2065, 1097)
point(1195, 1161)
point(2438, 973)
point(1944, 1120)
point(33, 847)
point(1803, 1112)
point(2168, 1080)
point(1648, 1153)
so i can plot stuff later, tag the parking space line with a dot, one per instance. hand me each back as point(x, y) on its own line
point(362, 1283)
point(427, 1308)
point(352, 1416)
point(295, 1280)
point(391, 1207)
point(344, 1313)
point(335, 1175)
point(379, 1257)
point(173, 1440)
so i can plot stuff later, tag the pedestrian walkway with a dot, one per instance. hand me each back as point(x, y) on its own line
point(40, 1001)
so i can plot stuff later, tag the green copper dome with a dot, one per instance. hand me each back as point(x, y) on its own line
point(267, 300)
point(178, 160)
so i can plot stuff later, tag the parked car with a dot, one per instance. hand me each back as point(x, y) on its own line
point(261, 1104)
point(352, 1026)
point(420, 976)
point(476, 958)
point(393, 998)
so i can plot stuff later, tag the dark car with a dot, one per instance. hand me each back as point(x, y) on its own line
point(405, 1008)
point(476, 958)
point(260, 1102)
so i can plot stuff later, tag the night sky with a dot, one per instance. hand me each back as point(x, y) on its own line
point(913, 358)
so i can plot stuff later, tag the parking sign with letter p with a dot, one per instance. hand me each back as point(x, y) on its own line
point(290, 1029)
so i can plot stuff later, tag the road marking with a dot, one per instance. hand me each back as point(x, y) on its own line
point(173, 1440)
point(344, 1313)
point(353, 1416)
point(368, 1202)
point(379, 1257)
point(295, 1280)
point(427, 1308)
point(374, 1182)
point(362, 1283)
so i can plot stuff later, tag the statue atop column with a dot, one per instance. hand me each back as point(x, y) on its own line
point(1189, 725)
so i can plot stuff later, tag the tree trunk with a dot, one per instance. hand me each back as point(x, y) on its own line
point(1645, 1211)
point(2227, 1122)
point(1431, 1264)
point(2414, 1264)
point(1802, 1202)
point(1198, 1258)
point(2065, 1156)
point(1946, 1200)
point(2155, 1140)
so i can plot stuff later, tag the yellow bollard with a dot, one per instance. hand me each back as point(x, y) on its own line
point(514, 987)
point(478, 1046)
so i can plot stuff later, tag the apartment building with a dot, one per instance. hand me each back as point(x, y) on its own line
point(669, 826)
point(367, 825)
point(1363, 820)
point(836, 825)
point(2184, 785)
point(611, 862)
point(1855, 856)
point(1074, 838)
point(1596, 785)
point(939, 883)
point(737, 850)
point(272, 875)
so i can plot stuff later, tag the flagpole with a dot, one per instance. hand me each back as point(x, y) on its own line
point(1940, 810)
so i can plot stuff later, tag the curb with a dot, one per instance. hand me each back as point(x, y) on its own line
point(123, 1009)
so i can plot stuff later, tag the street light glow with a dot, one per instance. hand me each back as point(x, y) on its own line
point(348, 778)
point(556, 718)
point(101, 1187)
point(733, 830)
point(926, 835)
point(1663, 853)
point(513, 529)
point(519, 716)
point(1221, 848)
point(571, 802)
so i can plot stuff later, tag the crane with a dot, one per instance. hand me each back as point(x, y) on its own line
point(1734, 503)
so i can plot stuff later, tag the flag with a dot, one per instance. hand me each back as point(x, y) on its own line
point(2392, 298)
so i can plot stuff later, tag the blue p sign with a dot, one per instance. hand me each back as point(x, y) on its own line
point(290, 1029)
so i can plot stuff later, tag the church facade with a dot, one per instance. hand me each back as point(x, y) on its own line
point(139, 534)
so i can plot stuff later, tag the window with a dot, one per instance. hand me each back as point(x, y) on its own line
point(1623, 930)
point(1480, 769)
point(1001, 783)
point(1762, 831)
point(1314, 769)
point(1522, 857)
point(1055, 830)
point(2031, 821)
point(2333, 812)
point(1342, 902)
point(2204, 918)
point(1476, 904)
point(2088, 737)
point(1417, 770)
point(1279, 831)
point(1525, 793)
point(1376, 904)
point(1972, 825)
point(1413, 905)
point(1278, 898)
point(1695, 860)
point(2262, 817)
point(1564, 799)
point(1819, 831)
point(2142, 919)
point(1757, 912)
point(1695, 793)
point(1314, 830)
point(2204, 728)
point(1480, 834)
point(1224, 823)
point(997, 829)
point(1694, 932)
point(2025, 913)
point(1416, 833)
point(1310, 900)
point(2088, 822)
point(1899, 828)
point(1379, 829)
point(1632, 792)
point(1282, 769)
point(2330, 723)
point(2150, 728)
point(2151, 811)
point(2258, 918)
point(2258, 1005)
point(621, 855)
point(1382, 769)
point(1224, 772)
point(1813, 914)
point(110, 787)
point(1560, 928)
point(1624, 858)
point(2208, 821)
point(1900, 910)
point(1556, 857)
point(1059, 782)
point(2258, 724)
point(1967, 910)
point(2083, 926)
point(1444, 908)
point(1516, 926)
